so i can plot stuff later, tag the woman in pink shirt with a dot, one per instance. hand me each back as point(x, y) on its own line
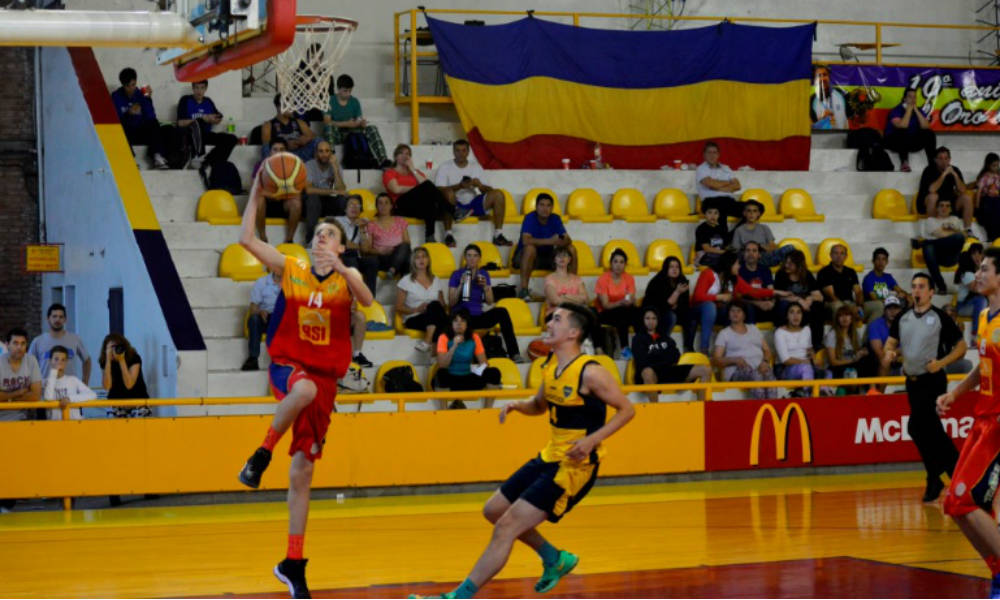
point(616, 301)
point(561, 285)
point(387, 239)
point(415, 196)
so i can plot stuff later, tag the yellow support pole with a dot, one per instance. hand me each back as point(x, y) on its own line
point(414, 101)
point(878, 44)
point(395, 55)
point(576, 19)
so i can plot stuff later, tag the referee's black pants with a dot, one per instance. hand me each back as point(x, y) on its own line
point(935, 446)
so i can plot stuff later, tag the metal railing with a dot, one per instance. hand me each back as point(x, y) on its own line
point(405, 43)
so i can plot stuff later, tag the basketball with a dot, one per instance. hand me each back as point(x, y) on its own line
point(282, 176)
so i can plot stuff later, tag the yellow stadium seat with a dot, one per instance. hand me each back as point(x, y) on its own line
point(431, 372)
point(658, 252)
point(217, 207)
point(630, 372)
point(367, 202)
point(764, 197)
point(289, 249)
point(510, 375)
point(442, 261)
point(238, 264)
point(379, 387)
point(376, 313)
point(800, 244)
point(520, 316)
point(917, 256)
point(890, 204)
point(528, 205)
point(798, 204)
point(673, 204)
point(510, 214)
point(586, 205)
point(490, 254)
point(632, 265)
point(608, 363)
point(823, 254)
point(534, 378)
point(585, 263)
point(696, 358)
point(629, 204)
point(401, 329)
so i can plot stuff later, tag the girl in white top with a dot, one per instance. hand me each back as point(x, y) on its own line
point(420, 299)
point(64, 388)
point(796, 357)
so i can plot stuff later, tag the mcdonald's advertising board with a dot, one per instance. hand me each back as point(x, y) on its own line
point(805, 432)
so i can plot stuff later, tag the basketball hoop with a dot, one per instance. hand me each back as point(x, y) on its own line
point(305, 69)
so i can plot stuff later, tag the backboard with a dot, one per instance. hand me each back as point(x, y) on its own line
point(232, 34)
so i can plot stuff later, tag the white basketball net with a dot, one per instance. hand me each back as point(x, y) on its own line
point(305, 69)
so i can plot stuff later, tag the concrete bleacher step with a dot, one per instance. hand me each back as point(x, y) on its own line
point(211, 292)
point(221, 322)
point(196, 263)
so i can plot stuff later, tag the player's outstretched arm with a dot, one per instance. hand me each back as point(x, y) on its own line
point(535, 406)
point(945, 400)
point(265, 253)
point(598, 382)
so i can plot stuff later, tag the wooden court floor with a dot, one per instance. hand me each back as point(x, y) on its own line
point(820, 536)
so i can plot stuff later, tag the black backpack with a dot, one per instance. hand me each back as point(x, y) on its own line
point(225, 176)
point(874, 158)
point(493, 346)
point(401, 379)
point(357, 153)
point(178, 145)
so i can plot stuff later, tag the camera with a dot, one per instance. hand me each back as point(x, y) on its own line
point(119, 349)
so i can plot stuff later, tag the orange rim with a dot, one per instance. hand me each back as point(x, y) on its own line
point(317, 22)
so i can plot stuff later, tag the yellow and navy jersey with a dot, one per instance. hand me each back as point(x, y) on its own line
point(989, 358)
point(572, 415)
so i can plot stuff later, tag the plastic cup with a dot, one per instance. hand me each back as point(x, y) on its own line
point(677, 163)
point(243, 140)
point(565, 163)
point(429, 165)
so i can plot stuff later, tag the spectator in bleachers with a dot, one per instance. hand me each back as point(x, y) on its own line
point(656, 355)
point(970, 303)
point(742, 354)
point(845, 345)
point(138, 117)
point(326, 193)
point(470, 288)
point(716, 182)
point(57, 335)
point(263, 298)
point(616, 300)
point(839, 283)
point(356, 229)
point(828, 106)
point(712, 237)
point(289, 209)
point(358, 328)
point(752, 230)
point(121, 368)
point(669, 293)
point(20, 375)
point(298, 137)
point(712, 292)
point(420, 300)
point(879, 285)
point(563, 286)
point(943, 181)
point(198, 109)
point(63, 387)
point(461, 182)
point(388, 240)
point(794, 284)
point(908, 129)
point(542, 231)
point(345, 117)
point(759, 277)
point(415, 196)
point(878, 333)
point(988, 196)
point(941, 242)
point(796, 356)
point(456, 354)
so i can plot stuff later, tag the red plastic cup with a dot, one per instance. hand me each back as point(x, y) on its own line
point(677, 163)
point(429, 165)
point(146, 90)
point(565, 163)
point(243, 140)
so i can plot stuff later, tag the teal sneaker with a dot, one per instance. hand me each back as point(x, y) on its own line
point(551, 576)
point(445, 595)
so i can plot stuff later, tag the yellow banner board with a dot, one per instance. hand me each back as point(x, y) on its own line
point(43, 258)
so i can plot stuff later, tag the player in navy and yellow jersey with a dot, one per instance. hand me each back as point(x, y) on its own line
point(972, 495)
point(309, 342)
point(575, 393)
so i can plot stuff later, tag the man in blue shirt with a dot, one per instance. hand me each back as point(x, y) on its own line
point(135, 109)
point(542, 232)
point(263, 298)
point(908, 129)
point(197, 108)
point(879, 285)
point(758, 276)
point(469, 288)
point(878, 333)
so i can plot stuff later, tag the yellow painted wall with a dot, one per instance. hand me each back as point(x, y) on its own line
point(204, 454)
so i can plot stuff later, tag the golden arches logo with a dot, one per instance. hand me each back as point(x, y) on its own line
point(780, 432)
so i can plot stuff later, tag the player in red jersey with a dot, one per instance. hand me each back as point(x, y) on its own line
point(971, 498)
point(309, 342)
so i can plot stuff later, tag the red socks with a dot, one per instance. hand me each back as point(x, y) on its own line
point(295, 546)
point(270, 439)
